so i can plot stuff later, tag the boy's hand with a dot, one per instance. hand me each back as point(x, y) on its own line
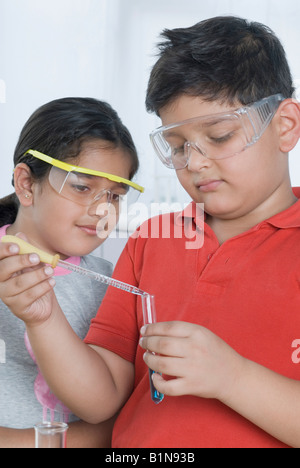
point(203, 365)
point(25, 284)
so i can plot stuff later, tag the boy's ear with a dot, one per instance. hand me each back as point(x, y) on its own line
point(23, 184)
point(289, 124)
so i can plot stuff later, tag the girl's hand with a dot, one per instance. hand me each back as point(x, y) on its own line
point(25, 284)
point(203, 365)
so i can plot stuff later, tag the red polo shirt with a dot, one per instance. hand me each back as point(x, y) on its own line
point(246, 291)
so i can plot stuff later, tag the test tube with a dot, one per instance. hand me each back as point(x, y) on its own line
point(149, 315)
point(51, 435)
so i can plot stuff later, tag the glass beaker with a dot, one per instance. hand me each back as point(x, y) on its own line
point(51, 435)
point(149, 315)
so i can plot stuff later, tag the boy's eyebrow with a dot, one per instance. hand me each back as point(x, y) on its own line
point(210, 122)
point(170, 133)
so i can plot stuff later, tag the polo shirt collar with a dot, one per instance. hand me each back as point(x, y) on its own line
point(289, 218)
point(193, 211)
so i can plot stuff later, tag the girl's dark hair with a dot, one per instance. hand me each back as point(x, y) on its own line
point(224, 58)
point(59, 129)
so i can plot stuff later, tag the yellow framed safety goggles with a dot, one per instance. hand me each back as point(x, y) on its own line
point(87, 186)
point(83, 170)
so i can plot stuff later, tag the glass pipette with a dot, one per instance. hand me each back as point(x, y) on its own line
point(54, 261)
point(148, 305)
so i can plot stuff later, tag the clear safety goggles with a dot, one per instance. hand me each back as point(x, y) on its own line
point(216, 136)
point(86, 186)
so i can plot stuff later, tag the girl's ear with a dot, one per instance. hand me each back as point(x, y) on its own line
point(289, 124)
point(23, 184)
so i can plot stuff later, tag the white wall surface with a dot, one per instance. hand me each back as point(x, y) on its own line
point(105, 49)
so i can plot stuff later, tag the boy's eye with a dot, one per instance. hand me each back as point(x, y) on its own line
point(177, 152)
point(221, 139)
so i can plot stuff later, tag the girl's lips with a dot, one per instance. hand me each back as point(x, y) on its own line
point(209, 185)
point(90, 230)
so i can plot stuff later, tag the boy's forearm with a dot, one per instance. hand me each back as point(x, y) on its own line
point(269, 400)
point(75, 372)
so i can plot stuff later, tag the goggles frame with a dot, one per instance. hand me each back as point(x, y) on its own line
point(260, 114)
point(82, 170)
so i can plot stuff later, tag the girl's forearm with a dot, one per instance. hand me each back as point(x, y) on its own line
point(16, 438)
point(269, 400)
point(77, 374)
point(80, 435)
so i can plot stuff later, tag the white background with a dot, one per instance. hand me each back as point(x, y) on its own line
point(105, 49)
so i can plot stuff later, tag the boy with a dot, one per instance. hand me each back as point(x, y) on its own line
point(229, 311)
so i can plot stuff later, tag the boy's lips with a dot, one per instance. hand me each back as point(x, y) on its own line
point(208, 185)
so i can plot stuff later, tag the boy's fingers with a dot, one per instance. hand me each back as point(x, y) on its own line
point(170, 366)
point(165, 345)
point(174, 387)
point(175, 329)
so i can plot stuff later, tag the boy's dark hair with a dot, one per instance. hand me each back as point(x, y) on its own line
point(59, 129)
point(224, 58)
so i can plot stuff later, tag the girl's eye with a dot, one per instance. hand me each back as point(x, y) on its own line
point(80, 188)
point(116, 197)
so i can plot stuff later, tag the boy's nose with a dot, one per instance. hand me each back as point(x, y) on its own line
point(196, 159)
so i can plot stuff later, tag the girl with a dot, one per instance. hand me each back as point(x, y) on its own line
point(74, 162)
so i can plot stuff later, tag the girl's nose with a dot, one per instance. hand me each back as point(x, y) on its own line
point(101, 204)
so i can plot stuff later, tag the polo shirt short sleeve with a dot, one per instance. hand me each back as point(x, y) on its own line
point(246, 291)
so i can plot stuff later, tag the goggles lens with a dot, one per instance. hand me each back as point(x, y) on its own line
point(216, 136)
point(87, 186)
point(86, 189)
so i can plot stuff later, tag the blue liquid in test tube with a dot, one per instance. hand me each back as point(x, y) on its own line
point(149, 314)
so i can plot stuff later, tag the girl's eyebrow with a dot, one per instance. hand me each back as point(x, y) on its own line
point(90, 177)
point(86, 176)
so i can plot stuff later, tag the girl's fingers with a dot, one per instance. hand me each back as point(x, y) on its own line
point(7, 250)
point(12, 263)
point(21, 283)
point(22, 305)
